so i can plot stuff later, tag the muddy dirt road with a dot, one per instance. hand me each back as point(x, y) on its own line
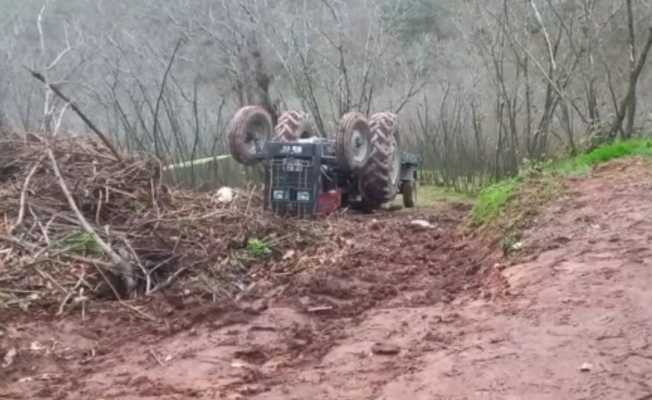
point(395, 312)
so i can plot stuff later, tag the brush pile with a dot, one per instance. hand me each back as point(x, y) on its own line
point(78, 225)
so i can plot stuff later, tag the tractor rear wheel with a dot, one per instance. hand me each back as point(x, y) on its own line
point(294, 125)
point(249, 128)
point(352, 142)
point(387, 122)
point(379, 179)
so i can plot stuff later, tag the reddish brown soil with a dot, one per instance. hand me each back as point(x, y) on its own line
point(393, 312)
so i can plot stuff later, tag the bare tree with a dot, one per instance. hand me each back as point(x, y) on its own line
point(49, 103)
point(481, 85)
point(628, 105)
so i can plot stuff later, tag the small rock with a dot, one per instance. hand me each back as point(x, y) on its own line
point(224, 195)
point(252, 390)
point(258, 306)
point(562, 239)
point(9, 357)
point(586, 367)
point(320, 309)
point(36, 346)
point(242, 365)
point(375, 225)
point(500, 267)
point(422, 224)
point(262, 328)
point(385, 349)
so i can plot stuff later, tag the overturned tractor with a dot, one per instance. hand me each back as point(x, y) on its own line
point(306, 175)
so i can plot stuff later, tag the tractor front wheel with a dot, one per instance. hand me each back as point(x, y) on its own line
point(248, 130)
point(352, 142)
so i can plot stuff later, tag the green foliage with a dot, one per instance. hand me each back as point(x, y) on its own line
point(583, 163)
point(82, 243)
point(258, 248)
point(492, 200)
point(538, 183)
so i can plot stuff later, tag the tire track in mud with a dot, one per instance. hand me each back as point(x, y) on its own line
point(391, 262)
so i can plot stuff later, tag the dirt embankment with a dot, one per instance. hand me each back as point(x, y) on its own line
point(393, 311)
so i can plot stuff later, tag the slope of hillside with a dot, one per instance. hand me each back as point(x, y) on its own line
point(578, 323)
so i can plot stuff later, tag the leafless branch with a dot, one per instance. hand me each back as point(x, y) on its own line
point(120, 263)
point(75, 108)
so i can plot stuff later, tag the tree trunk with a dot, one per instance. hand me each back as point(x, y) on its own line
point(628, 104)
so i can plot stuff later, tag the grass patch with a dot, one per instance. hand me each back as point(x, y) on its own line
point(428, 196)
point(494, 199)
point(81, 243)
point(258, 248)
point(505, 209)
point(508, 207)
point(583, 163)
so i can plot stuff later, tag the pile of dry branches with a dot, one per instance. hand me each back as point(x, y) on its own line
point(76, 224)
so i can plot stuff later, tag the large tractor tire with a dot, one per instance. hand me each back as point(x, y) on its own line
point(248, 130)
point(379, 179)
point(387, 122)
point(352, 147)
point(294, 125)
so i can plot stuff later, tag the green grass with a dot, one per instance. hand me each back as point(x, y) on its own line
point(583, 163)
point(258, 248)
point(428, 196)
point(492, 200)
point(539, 183)
point(81, 243)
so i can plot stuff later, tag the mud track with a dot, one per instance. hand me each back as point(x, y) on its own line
point(394, 312)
